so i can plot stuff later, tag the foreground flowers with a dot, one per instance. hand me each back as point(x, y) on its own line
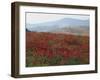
point(48, 49)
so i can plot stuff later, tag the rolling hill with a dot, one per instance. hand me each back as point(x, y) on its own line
point(65, 25)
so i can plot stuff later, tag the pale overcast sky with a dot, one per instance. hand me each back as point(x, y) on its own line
point(34, 18)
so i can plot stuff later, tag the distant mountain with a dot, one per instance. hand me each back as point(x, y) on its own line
point(73, 30)
point(62, 25)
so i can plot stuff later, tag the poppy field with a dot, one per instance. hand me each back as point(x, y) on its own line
point(51, 49)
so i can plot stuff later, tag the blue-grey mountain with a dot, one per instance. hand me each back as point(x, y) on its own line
point(65, 25)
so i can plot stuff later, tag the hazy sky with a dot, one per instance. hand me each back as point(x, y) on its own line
point(34, 18)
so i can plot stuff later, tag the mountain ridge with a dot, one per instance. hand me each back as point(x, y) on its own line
point(53, 26)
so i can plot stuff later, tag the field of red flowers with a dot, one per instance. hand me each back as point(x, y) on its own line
point(48, 49)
